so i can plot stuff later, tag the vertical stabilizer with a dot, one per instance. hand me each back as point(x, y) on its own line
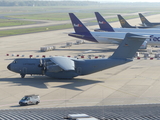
point(129, 46)
point(103, 24)
point(143, 19)
point(80, 30)
point(77, 24)
point(123, 22)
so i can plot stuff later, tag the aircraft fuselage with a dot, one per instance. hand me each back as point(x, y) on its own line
point(82, 67)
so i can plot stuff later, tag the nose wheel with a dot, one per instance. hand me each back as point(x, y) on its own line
point(22, 75)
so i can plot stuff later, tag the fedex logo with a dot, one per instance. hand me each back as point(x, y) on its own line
point(152, 38)
point(77, 25)
point(102, 22)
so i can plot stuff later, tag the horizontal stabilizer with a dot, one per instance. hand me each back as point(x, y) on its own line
point(64, 62)
point(76, 35)
point(113, 38)
point(140, 37)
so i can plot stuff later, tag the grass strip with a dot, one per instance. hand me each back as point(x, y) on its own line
point(33, 30)
point(51, 28)
point(7, 23)
point(53, 16)
point(116, 18)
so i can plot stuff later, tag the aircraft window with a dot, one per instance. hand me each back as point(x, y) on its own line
point(49, 62)
point(14, 61)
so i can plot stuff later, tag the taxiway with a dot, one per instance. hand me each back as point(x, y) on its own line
point(136, 82)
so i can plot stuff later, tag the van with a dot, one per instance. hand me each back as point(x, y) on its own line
point(29, 100)
point(80, 117)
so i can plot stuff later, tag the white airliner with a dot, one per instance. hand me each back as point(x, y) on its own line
point(108, 37)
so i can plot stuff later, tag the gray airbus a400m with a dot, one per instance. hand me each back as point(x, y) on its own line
point(64, 67)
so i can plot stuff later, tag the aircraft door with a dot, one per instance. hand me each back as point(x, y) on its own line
point(79, 70)
point(24, 71)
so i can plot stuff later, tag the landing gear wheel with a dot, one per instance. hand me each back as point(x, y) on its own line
point(22, 75)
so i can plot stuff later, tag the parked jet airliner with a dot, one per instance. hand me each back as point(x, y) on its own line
point(107, 37)
point(125, 24)
point(105, 26)
point(147, 23)
point(68, 68)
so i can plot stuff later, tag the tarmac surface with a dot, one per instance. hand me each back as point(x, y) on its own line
point(136, 82)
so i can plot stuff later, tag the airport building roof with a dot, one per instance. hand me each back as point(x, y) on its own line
point(121, 112)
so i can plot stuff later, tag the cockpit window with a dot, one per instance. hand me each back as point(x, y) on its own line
point(49, 62)
point(14, 61)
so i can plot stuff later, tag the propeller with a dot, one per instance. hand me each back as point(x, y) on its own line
point(43, 66)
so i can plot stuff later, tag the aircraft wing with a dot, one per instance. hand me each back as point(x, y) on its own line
point(120, 39)
point(113, 38)
point(142, 36)
point(64, 62)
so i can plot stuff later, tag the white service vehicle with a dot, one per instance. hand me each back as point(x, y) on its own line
point(29, 99)
point(80, 117)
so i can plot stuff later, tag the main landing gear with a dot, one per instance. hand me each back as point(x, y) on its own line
point(22, 75)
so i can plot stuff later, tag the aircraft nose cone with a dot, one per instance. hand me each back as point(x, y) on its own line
point(9, 67)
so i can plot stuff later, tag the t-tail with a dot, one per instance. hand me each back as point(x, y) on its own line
point(144, 21)
point(80, 30)
point(103, 24)
point(124, 23)
point(129, 46)
point(123, 54)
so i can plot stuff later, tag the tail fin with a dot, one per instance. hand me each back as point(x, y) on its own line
point(103, 24)
point(129, 46)
point(143, 19)
point(123, 22)
point(77, 24)
point(80, 30)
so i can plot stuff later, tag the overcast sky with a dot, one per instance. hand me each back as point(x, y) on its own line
point(128, 0)
point(118, 0)
point(109, 0)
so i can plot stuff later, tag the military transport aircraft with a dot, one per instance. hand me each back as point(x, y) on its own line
point(111, 37)
point(125, 24)
point(146, 23)
point(68, 68)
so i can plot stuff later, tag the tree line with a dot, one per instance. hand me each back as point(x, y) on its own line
point(46, 3)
